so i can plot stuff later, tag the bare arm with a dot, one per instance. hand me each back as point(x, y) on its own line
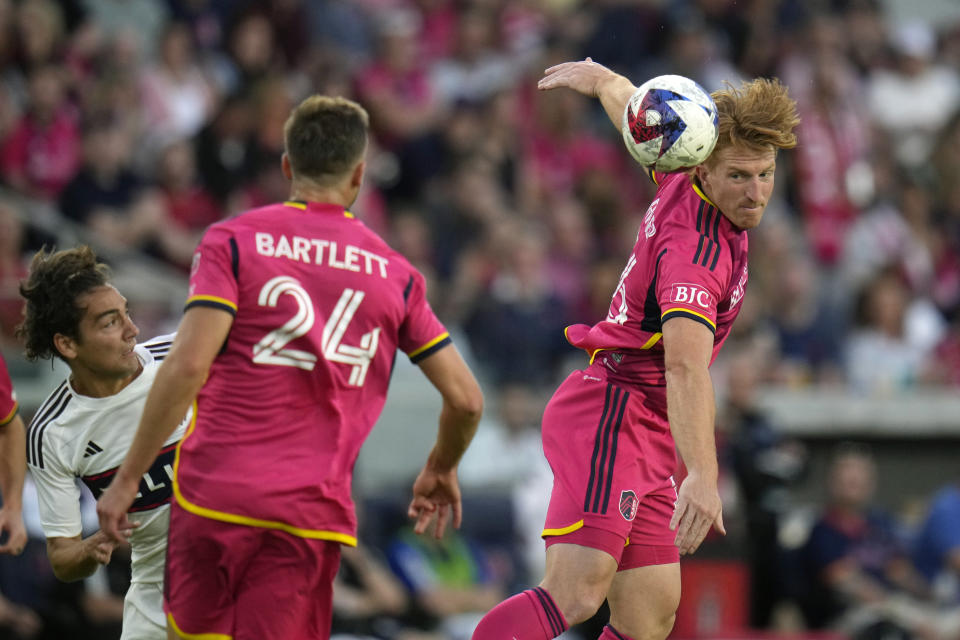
point(592, 80)
point(75, 558)
point(179, 379)
point(462, 405)
point(13, 467)
point(436, 489)
point(691, 410)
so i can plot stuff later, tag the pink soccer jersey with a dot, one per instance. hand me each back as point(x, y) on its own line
point(321, 305)
point(8, 399)
point(690, 261)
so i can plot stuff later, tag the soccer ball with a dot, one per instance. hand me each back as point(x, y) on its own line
point(670, 124)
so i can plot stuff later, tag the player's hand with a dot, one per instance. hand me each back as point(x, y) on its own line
point(11, 523)
point(100, 546)
point(583, 76)
point(437, 494)
point(698, 508)
point(112, 509)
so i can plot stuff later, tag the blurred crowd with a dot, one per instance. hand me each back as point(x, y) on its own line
point(140, 122)
point(143, 121)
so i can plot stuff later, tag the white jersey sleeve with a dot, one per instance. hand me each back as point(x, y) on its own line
point(58, 498)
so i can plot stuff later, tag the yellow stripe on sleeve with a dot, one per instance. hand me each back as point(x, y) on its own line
point(685, 310)
point(217, 299)
point(10, 415)
point(443, 336)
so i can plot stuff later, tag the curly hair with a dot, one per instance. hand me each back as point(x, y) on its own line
point(758, 114)
point(51, 290)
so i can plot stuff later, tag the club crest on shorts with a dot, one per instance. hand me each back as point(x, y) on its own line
point(628, 505)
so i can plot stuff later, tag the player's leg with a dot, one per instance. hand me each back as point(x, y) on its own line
point(581, 559)
point(578, 578)
point(204, 557)
point(574, 586)
point(143, 617)
point(286, 592)
point(643, 603)
point(529, 615)
point(645, 593)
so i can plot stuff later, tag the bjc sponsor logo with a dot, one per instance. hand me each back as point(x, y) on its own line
point(691, 294)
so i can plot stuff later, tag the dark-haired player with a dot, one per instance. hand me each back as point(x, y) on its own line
point(616, 524)
point(84, 428)
point(294, 316)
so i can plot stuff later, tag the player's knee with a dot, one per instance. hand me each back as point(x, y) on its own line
point(663, 627)
point(578, 602)
point(650, 628)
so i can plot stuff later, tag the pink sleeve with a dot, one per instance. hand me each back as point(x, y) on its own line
point(213, 276)
point(687, 289)
point(8, 399)
point(421, 334)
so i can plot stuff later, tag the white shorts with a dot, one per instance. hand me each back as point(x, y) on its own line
point(143, 617)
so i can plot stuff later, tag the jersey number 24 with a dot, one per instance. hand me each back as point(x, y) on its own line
point(272, 348)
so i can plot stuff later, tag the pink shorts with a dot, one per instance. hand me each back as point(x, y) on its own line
point(613, 460)
point(246, 583)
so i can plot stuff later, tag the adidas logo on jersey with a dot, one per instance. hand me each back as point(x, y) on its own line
point(92, 449)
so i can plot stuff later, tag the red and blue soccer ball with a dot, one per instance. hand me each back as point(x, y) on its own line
point(670, 124)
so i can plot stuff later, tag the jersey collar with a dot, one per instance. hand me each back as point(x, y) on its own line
point(318, 207)
point(703, 196)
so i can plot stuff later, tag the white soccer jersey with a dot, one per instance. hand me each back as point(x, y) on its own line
point(74, 437)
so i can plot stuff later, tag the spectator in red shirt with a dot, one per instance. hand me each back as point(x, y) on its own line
point(188, 203)
point(42, 152)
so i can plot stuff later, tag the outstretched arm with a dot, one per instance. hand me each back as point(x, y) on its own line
point(436, 490)
point(13, 466)
point(688, 346)
point(592, 80)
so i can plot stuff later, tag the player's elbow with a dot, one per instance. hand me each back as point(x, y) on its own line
point(682, 367)
point(64, 576)
point(64, 572)
point(466, 401)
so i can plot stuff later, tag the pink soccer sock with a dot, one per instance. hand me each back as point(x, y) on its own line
point(609, 633)
point(531, 615)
